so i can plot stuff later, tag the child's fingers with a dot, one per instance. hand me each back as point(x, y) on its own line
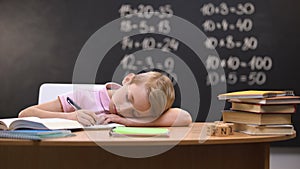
point(83, 120)
point(113, 118)
point(85, 117)
point(108, 118)
point(100, 119)
point(92, 117)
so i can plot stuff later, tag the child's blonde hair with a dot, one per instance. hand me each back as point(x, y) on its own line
point(157, 81)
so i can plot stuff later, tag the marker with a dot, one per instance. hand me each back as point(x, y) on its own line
point(73, 104)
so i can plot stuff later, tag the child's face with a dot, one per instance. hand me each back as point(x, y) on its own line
point(131, 100)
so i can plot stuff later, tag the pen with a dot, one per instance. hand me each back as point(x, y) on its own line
point(73, 104)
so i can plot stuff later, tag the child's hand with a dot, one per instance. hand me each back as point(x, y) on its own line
point(113, 118)
point(88, 118)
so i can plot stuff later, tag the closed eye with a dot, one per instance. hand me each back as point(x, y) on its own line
point(129, 98)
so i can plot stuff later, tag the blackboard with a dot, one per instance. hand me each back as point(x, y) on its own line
point(256, 42)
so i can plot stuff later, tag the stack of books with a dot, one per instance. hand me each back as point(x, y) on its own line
point(257, 112)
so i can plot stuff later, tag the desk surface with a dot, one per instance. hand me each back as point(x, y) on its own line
point(192, 135)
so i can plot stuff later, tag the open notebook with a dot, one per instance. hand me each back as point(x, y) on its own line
point(47, 123)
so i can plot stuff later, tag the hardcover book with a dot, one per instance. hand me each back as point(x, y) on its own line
point(252, 129)
point(263, 108)
point(256, 118)
point(270, 100)
point(254, 94)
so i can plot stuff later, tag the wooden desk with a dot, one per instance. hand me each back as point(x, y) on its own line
point(236, 152)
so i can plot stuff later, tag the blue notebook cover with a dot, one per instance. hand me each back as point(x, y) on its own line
point(35, 134)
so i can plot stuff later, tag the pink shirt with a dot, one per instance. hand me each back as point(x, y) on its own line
point(94, 98)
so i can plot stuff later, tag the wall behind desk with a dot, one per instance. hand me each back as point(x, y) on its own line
point(257, 42)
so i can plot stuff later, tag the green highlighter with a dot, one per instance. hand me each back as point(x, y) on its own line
point(140, 131)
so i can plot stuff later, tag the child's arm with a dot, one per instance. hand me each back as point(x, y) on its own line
point(173, 117)
point(53, 109)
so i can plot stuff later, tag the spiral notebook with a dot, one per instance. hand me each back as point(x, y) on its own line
point(35, 134)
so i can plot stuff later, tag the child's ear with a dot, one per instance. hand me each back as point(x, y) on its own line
point(128, 78)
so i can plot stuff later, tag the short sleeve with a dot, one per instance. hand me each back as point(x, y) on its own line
point(86, 98)
point(63, 100)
